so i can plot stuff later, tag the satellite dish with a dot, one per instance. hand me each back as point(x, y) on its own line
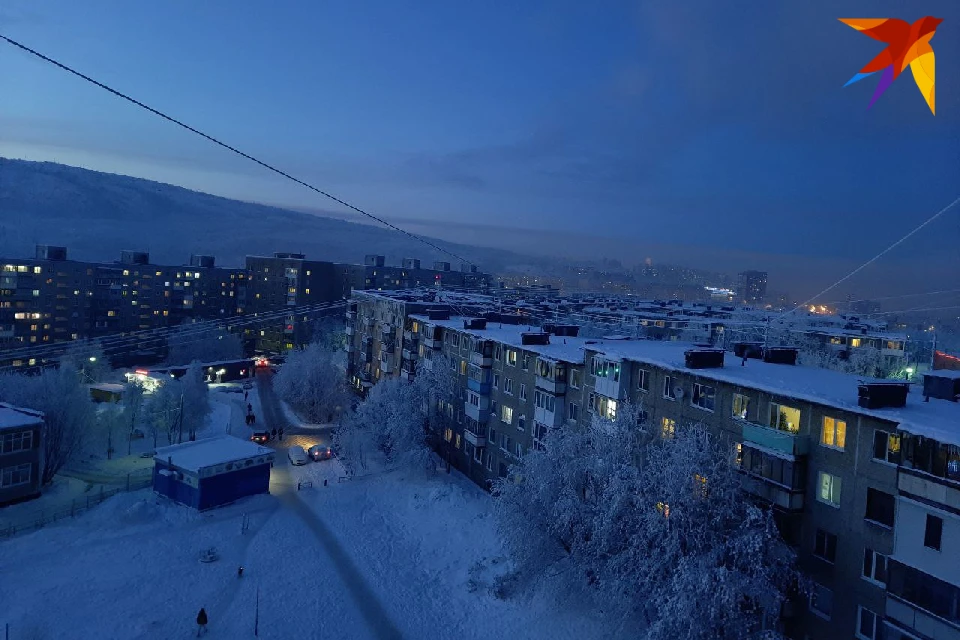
point(678, 392)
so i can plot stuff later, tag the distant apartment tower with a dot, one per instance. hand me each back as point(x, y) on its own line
point(289, 280)
point(752, 286)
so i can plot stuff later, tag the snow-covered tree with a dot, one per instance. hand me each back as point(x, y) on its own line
point(656, 529)
point(88, 359)
point(69, 415)
point(392, 421)
point(551, 501)
point(163, 412)
point(313, 382)
point(196, 400)
point(111, 422)
point(436, 384)
point(698, 548)
point(133, 404)
point(202, 343)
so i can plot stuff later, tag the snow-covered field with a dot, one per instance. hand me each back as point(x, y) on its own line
point(356, 559)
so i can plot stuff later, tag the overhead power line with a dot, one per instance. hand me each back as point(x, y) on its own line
point(235, 150)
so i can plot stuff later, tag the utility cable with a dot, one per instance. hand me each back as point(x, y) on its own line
point(230, 148)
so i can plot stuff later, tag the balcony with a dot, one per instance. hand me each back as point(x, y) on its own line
point(557, 388)
point(409, 355)
point(783, 441)
point(351, 315)
point(481, 414)
point(409, 335)
point(409, 345)
point(426, 363)
point(549, 418)
point(431, 339)
point(366, 356)
point(388, 345)
point(609, 387)
point(350, 330)
point(475, 439)
point(481, 359)
point(482, 388)
point(776, 494)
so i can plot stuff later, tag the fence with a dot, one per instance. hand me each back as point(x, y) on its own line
point(38, 519)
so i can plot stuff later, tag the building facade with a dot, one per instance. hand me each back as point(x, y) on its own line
point(21, 453)
point(821, 447)
point(752, 286)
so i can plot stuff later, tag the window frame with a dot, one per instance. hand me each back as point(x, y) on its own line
point(813, 609)
point(643, 380)
point(835, 430)
point(827, 551)
point(738, 399)
point(836, 487)
point(668, 388)
point(698, 388)
point(877, 621)
point(871, 577)
point(927, 532)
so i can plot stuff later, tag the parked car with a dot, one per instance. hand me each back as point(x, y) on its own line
point(320, 452)
point(297, 455)
point(260, 437)
point(248, 385)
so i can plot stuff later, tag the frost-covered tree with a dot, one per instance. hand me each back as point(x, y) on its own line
point(88, 359)
point(313, 382)
point(392, 421)
point(656, 529)
point(69, 415)
point(163, 412)
point(196, 400)
point(111, 421)
point(436, 384)
point(699, 548)
point(133, 404)
point(202, 343)
point(550, 503)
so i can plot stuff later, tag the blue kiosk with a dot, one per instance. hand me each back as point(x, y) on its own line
point(211, 473)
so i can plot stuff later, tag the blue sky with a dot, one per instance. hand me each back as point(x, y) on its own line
point(657, 124)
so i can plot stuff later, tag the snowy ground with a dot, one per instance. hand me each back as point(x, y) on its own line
point(298, 422)
point(385, 556)
point(87, 477)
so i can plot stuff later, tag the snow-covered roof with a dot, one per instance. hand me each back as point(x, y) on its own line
point(12, 417)
point(560, 348)
point(108, 386)
point(193, 456)
point(944, 373)
point(938, 419)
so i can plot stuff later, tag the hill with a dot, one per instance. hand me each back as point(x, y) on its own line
point(96, 215)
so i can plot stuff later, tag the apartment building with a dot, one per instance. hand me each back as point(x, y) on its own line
point(377, 275)
point(828, 451)
point(21, 453)
point(288, 280)
point(50, 298)
point(752, 286)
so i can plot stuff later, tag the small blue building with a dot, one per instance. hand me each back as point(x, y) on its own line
point(211, 473)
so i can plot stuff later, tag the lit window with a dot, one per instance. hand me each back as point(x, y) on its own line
point(886, 446)
point(668, 427)
point(834, 433)
point(506, 414)
point(784, 418)
point(828, 490)
point(741, 404)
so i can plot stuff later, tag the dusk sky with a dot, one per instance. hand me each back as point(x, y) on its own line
point(665, 126)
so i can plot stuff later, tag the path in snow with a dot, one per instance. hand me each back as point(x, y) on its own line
point(282, 485)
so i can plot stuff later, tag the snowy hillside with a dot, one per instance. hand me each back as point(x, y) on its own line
point(97, 214)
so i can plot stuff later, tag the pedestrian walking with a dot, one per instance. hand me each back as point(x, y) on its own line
point(249, 407)
point(245, 394)
point(240, 571)
point(201, 621)
point(274, 432)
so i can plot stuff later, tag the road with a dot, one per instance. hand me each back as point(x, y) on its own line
point(283, 486)
point(275, 418)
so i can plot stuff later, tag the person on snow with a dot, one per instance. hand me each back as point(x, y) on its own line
point(201, 621)
point(274, 432)
point(281, 435)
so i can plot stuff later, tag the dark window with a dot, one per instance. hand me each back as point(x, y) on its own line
point(874, 566)
point(886, 446)
point(825, 546)
point(880, 507)
point(933, 533)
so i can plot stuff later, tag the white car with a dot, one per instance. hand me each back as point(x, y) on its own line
point(297, 455)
